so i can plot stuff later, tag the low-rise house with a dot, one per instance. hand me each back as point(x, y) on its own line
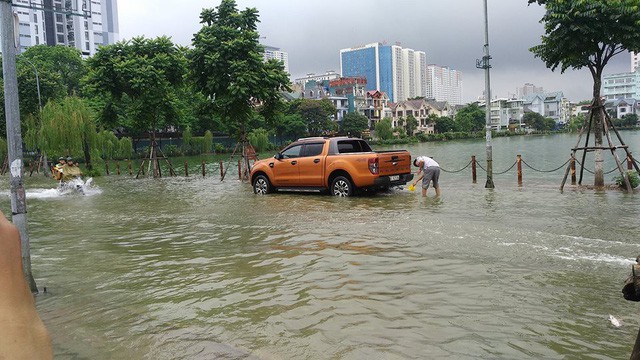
point(618, 108)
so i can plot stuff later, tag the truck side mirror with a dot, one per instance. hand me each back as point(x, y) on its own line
point(278, 156)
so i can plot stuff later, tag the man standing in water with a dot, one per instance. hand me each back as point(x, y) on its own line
point(428, 171)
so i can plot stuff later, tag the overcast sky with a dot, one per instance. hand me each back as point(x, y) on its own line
point(451, 32)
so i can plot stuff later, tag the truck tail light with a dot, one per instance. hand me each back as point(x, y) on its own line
point(374, 166)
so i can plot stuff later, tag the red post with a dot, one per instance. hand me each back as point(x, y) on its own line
point(573, 169)
point(239, 170)
point(186, 168)
point(474, 174)
point(203, 169)
point(519, 161)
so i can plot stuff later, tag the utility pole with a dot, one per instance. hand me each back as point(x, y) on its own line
point(14, 136)
point(485, 64)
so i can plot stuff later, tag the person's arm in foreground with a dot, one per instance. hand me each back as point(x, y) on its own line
point(22, 333)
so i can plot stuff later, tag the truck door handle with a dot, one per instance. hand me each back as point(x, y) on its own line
point(294, 162)
point(316, 161)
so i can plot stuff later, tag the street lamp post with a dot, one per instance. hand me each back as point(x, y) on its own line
point(14, 135)
point(37, 80)
point(485, 64)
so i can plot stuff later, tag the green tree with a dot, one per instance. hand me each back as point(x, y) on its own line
point(354, 124)
point(445, 124)
point(65, 61)
point(534, 120)
point(68, 128)
point(411, 125)
point(291, 126)
point(227, 65)
point(317, 114)
point(471, 118)
point(549, 124)
point(589, 33)
point(141, 78)
point(576, 123)
point(384, 130)
point(259, 139)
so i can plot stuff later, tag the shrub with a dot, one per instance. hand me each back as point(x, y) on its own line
point(634, 179)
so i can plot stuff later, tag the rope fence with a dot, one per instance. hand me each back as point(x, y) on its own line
point(202, 168)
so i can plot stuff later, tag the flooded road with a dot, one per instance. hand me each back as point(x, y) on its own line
point(192, 268)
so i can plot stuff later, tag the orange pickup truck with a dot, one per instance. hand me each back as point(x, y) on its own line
point(340, 165)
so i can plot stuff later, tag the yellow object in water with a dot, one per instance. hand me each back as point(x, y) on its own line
point(412, 188)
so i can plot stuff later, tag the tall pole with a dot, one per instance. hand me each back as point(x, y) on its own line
point(487, 67)
point(14, 137)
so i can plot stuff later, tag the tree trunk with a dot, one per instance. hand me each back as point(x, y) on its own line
point(87, 155)
point(598, 121)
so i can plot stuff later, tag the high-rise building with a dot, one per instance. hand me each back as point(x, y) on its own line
point(621, 86)
point(271, 52)
point(399, 72)
point(635, 61)
point(83, 24)
point(444, 84)
point(528, 89)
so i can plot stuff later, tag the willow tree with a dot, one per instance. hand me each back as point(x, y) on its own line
point(227, 66)
point(67, 128)
point(588, 34)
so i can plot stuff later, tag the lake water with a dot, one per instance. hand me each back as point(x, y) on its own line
point(192, 268)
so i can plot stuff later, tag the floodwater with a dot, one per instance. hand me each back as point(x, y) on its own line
point(192, 268)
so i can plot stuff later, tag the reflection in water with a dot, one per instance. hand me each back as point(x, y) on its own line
point(197, 269)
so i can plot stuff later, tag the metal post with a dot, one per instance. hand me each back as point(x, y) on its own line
point(519, 162)
point(474, 177)
point(487, 67)
point(14, 135)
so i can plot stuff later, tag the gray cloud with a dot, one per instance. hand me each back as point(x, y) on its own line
point(451, 32)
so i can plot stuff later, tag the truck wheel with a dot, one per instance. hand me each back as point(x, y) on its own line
point(341, 186)
point(261, 185)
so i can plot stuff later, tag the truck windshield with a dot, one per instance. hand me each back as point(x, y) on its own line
point(353, 146)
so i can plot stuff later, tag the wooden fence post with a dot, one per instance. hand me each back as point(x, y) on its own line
point(474, 174)
point(186, 168)
point(130, 169)
point(630, 162)
point(118, 167)
point(519, 161)
point(106, 166)
point(239, 170)
point(221, 170)
point(573, 169)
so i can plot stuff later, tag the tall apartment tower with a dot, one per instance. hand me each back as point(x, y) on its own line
point(444, 84)
point(528, 89)
point(399, 72)
point(83, 24)
point(635, 61)
point(271, 52)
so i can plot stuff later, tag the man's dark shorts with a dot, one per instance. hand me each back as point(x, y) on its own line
point(432, 173)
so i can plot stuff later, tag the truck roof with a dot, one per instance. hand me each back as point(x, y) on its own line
point(326, 138)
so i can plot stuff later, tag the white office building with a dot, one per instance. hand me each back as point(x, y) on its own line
point(327, 76)
point(635, 61)
point(83, 24)
point(271, 52)
point(444, 84)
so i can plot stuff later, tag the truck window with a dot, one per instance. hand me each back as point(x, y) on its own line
point(353, 146)
point(312, 149)
point(292, 152)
